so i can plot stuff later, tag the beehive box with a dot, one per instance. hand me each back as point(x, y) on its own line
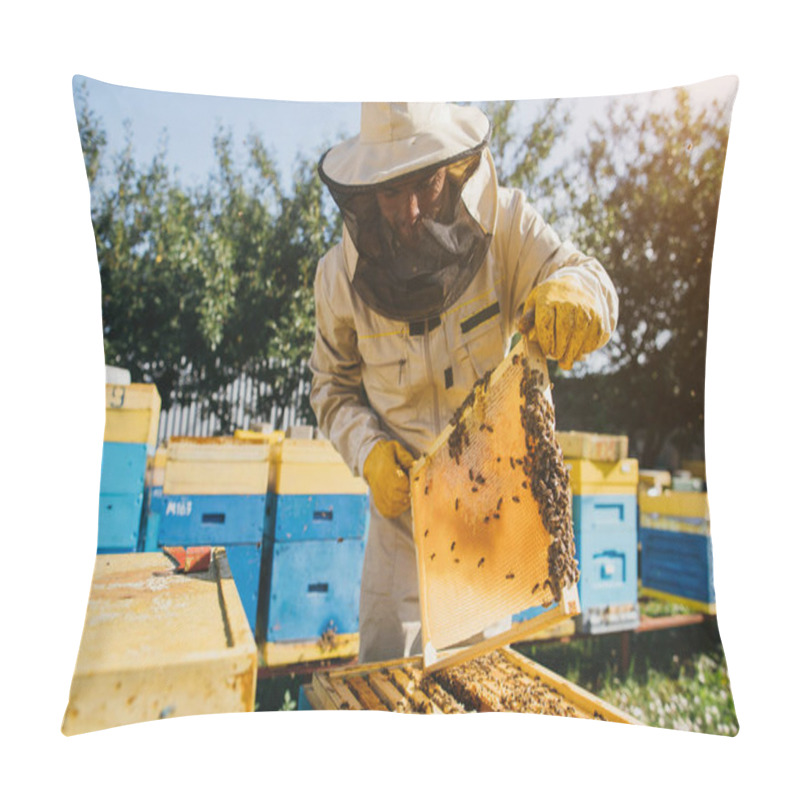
point(492, 514)
point(603, 477)
point(605, 541)
point(594, 446)
point(655, 480)
point(318, 514)
point(132, 414)
point(157, 643)
point(311, 466)
point(502, 680)
point(221, 465)
point(676, 557)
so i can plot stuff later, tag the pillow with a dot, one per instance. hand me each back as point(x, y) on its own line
point(210, 218)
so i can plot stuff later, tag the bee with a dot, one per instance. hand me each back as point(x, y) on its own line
point(471, 475)
point(490, 429)
point(496, 515)
point(499, 503)
point(533, 591)
point(510, 576)
point(457, 560)
point(515, 498)
point(456, 504)
point(480, 479)
point(474, 488)
point(524, 484)
point(483, 427)
point(452, 547)
point(486, 519)
point(433, 555)
point(499, 459)
point(425, 534)
point(515, 359)
point(416, 478)
point(512, 463)
point(427, 486)
point(480, 563)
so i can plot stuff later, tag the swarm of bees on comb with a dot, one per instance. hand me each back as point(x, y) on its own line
point(543, 466)
point(487, 683)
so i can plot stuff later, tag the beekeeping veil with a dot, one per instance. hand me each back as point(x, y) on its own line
point(398, 143)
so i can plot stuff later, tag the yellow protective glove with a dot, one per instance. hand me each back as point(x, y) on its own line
point(565, 319)
point(386, 471)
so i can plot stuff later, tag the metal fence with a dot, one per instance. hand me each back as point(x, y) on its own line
point(243, 396)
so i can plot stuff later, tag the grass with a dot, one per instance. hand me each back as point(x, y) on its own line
point(677, 678)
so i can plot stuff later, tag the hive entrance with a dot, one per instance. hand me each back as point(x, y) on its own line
point(492, 513)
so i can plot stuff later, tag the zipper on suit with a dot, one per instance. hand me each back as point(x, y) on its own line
point(400, 364)
point(429, 368)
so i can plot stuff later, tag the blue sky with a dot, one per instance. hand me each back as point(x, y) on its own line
point(288, 128)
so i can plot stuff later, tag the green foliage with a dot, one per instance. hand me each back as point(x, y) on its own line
point(279, 693)
point(677, 678)
point(202, 285)
point(645, 193)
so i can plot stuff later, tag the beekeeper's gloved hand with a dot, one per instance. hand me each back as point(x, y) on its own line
point(386, 471)
point(565, 318)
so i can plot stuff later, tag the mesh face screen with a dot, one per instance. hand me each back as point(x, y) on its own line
point(483, 549)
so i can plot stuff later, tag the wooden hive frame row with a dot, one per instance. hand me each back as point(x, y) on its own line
point(502, 681)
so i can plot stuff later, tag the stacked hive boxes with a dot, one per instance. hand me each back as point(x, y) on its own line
point(676, 563)
point(131, 430)
point(604, 514)
point(318, 514)
point(215, 493)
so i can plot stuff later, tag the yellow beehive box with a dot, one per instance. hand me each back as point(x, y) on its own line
point(132, 414)
point(656, 479)
point(158, 643)
point(311, 466)
point(595, 446)
point(216, 465)
point(603, 477)
point(335, 647)
point(683, 512)
point(270, 437)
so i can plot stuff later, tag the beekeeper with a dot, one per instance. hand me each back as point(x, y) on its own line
point(419, 299)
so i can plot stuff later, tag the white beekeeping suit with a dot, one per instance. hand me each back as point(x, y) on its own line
point(418, 301)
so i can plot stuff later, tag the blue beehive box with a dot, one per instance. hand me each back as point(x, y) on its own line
point(314, 587)
point(300, 517)
point(121, 496)
point(676, 559)
point(119, 522)
point(209, 519)
point(606, 549)
point(678, 564)
point(152, 510)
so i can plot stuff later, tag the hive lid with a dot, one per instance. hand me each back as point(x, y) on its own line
point(485, 503)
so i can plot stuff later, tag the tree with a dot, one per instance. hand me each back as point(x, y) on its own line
point(645, 192)
point(202, 285)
